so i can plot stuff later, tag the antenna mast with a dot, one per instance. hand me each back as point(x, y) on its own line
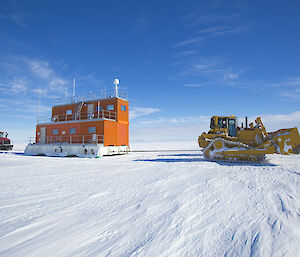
point(74, 88)
point(39, 108)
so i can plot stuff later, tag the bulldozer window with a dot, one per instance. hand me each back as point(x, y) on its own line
point(222, 123)
point(212, 123)
point(232, 127)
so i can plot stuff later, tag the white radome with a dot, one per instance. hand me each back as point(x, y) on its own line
point(116, 82)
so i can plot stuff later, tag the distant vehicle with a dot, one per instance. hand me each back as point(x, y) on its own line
point(5, 143)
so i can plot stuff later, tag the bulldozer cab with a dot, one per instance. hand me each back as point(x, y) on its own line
point(224, 124)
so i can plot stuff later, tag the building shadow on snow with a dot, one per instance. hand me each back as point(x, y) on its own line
point(15, 153)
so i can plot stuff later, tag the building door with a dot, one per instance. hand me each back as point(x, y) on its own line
point(90, 111)
point(43, 135)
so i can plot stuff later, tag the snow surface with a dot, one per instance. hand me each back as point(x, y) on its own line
point(149, 204)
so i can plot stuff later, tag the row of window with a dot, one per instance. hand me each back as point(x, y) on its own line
point(108, 107)
point(91, 130)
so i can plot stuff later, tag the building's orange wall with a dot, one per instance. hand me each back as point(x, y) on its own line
point(81, 128)
point(122, 115)
point(123, 134)
point(110, 133)
point(115, 133)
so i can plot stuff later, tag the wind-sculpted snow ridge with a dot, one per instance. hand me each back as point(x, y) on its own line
point(149, 204)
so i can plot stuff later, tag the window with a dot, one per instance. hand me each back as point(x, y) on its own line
point(212, 123)
point(55, 132)
point(69, 112)
point(222, 122)
point(99, 108)
point(123, 108)
point(72, 130)
point(92, 130)
point(110, 107)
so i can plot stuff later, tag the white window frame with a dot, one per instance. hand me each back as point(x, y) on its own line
point(56, 132)
point(69, 112)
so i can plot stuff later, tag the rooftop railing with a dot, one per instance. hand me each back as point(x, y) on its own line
point(92, 97)
point(104, 114)
point(71, 139)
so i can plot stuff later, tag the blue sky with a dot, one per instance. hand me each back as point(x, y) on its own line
point(179, 61)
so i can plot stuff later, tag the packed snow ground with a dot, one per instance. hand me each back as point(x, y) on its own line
point(148, 204)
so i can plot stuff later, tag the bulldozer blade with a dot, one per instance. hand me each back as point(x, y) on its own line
point(286, 140)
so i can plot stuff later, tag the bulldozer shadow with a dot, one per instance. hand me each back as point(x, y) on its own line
point(171, 160)
point(180, 155)
point(201, 160)
point(259, 164)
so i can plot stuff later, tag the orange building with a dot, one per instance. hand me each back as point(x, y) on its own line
point(90, 122)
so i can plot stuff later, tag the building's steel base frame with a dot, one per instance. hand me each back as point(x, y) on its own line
point(74, 150)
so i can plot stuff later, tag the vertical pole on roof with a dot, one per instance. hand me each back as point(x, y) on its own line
point(73, 88)
point(39, 108)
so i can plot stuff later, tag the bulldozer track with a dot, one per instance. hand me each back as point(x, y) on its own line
point(226, 142)
point(230, 160)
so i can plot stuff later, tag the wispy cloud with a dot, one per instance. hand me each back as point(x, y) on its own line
point(204, 67)
point(209, 68)
point(293, 94)
point(92, 79)
point(142, 111)
point(295, 81)
point(217, 31)
point(3, 16)
point(25, 108)
point(198, 71)
point(18, 86)
point(15, 87)
point(32, 73)
point(175, 120)
point(40, 68)
point(208, 26)
point(189, 41)
point(18, 18)
point(280, 121)
point(185, 53)
point(209, 32)
point(286, 89)
point(194, 85)
point(232, 75)
point(23, 79)
point(194, 19)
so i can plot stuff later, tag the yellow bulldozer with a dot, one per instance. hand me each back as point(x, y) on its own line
point(229, 142)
